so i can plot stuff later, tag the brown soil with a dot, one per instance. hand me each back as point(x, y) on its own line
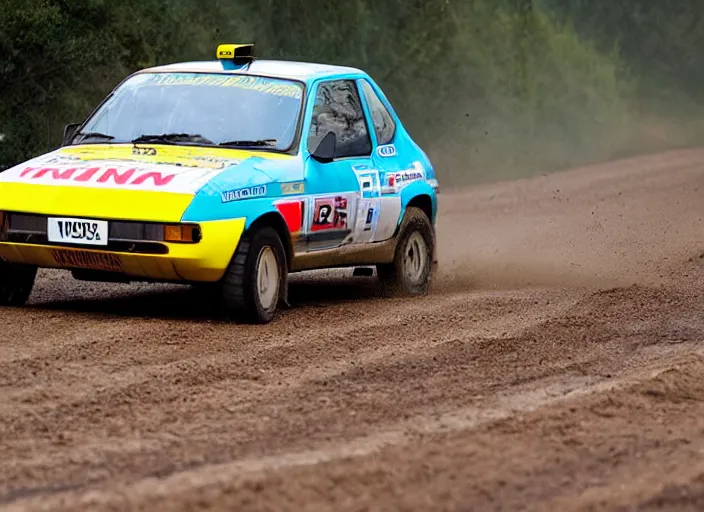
point(558, 364)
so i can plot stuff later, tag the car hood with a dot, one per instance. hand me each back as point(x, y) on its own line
point(146, 182)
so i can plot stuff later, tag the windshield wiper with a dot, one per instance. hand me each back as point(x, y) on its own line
point(172, 138)
point(249, 143)
point(92, 135)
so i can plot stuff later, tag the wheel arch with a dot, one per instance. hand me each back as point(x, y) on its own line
point(277, 222)
point(424, 203)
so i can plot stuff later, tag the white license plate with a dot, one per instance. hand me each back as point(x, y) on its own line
point(78, 231)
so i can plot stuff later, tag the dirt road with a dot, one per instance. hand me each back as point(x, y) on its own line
point(557, 365)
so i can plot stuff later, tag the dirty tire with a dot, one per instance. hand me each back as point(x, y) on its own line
point(258, 265)
point(16, 283)
point(410, 272)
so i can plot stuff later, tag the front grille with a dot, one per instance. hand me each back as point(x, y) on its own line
point(118, 230)
point(136, 231)
point(26, 223)
point(123, 236)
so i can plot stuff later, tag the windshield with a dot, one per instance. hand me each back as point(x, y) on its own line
point(200, 108)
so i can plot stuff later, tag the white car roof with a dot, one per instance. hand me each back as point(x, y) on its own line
point(272, 68)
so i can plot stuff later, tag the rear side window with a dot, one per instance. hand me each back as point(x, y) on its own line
point(338, 109)
point(384, 125)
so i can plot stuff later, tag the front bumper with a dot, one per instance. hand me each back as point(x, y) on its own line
point(204, 261)
point(149, 258)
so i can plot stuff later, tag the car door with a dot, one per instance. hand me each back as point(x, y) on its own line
point(343, 194)
point(387, 158)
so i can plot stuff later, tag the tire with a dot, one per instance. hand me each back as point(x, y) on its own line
point(247, 292)
point(411, 270)
point(16, 283)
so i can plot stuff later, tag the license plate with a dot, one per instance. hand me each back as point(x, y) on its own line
point(78, 231)
point(86, 259)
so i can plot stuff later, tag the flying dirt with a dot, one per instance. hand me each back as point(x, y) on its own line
point(557, 364)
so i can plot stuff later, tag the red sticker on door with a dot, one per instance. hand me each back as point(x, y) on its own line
point(330, 213)
point(292, 212)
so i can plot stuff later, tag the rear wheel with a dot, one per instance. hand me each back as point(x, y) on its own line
point(410, 272)
point(16, 283)
point(256, 277)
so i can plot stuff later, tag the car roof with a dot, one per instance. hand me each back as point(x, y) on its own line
point(304, 71)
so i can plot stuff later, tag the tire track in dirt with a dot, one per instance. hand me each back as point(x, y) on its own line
point(488, 361)
point(246, 473)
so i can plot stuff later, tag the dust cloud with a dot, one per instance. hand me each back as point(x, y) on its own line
point(551, 230)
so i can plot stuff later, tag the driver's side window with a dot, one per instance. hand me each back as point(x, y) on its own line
point(338, 109)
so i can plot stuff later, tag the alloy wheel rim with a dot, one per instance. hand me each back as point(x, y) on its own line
point(268, 278)
point(415, 258)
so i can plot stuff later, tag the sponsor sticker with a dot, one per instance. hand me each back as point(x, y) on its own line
point(397, 180)
point(369, 220)
point(59, 159)
point(243, 193)
point(295, 187)
point(368, 183)
point(330, 213)
point(208, 162)
point(283, 88)
point(117, 175)
point(86, 259)
point(171, 156)
point(154, 177)
point(386, 151)
point(406, 176)
point(292, 212)
point(143, 151)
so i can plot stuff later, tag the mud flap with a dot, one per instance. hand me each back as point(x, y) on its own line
point(283, 301)
point(434, 262)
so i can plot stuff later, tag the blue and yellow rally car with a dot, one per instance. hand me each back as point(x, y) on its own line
point(234, 172)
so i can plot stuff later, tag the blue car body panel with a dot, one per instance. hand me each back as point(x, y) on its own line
point(253, 187)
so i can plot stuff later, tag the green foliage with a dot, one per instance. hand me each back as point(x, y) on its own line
point(60, 58)
point(43, 48)
point(492, 88)
point(661, 41)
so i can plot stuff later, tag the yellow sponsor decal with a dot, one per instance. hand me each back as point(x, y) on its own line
point(208, 158)
point(296, 187)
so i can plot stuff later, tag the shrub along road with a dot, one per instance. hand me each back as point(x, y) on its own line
point(556, 365)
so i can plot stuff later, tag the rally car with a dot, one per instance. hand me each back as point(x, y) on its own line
point(231, 173)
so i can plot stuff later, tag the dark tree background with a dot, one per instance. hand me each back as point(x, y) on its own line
point(493, 88)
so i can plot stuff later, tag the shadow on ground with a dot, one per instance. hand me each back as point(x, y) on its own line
point(192, 303)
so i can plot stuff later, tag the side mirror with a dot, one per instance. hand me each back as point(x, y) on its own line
point(325, 152)
point(69, 132)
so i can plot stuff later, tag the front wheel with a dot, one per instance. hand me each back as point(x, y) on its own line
point(256, 277)
point(16, 283)
point(410, 272)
